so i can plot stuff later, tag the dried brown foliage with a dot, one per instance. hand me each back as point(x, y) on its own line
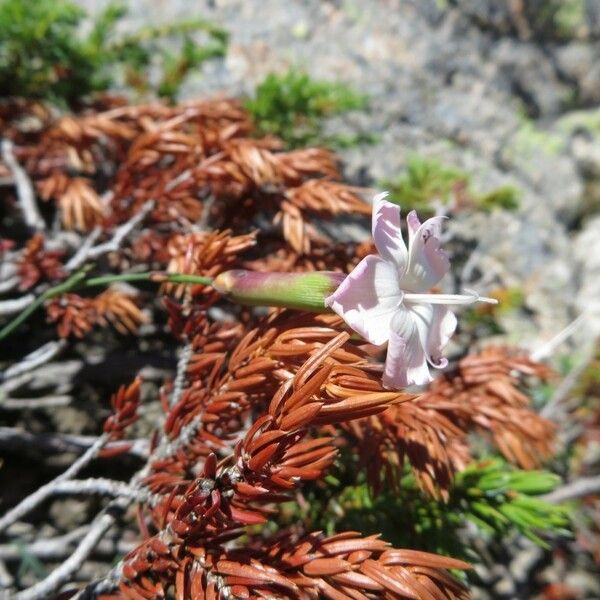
point(291, 382)
point(37, 263)
point(119, 310)
point(76, 316)
point(125, 403)
point(341, 567)
point(209, 253)
point(179, 157)
point(80, 205)
point(481, 393)
point(265, 401)
point(317, 196)
point(484, 395)
point(72, 314)
point(216, 405)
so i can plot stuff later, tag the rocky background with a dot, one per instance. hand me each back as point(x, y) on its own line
point(506, 90)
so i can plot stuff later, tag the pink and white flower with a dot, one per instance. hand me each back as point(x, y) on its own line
point(386, 298)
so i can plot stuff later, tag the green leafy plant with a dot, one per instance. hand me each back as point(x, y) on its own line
point(556, 19)
point(44, 55)
point(505, 197)
point(292, 106)
point(423, 181)
point(141, 48)
point(496, 497)
point(426, 180)
point(568, 17)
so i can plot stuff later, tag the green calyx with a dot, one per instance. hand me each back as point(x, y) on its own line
point(300, 291)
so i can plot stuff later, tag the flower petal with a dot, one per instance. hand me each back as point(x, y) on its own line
point(387, 233)
point(368, 298)
point(406, 363)
point(436, 324)
point(427, 262)
point(412, 220)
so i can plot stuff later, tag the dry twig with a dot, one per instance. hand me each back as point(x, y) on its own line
point(35, 359)
point(25, 191)
point(45, 491)
point(42, 444)
point(579, 488)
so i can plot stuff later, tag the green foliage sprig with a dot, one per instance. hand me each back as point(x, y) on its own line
point(496, 497)
point(44, 54)
point(426, 180)
point(292, 106)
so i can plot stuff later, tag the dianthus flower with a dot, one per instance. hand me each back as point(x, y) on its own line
point(386, 298)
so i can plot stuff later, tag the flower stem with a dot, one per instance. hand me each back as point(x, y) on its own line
point(154, 276)
point(61, 288)
point(78, 280)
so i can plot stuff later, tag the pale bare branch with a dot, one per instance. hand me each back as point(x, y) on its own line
point(120, 233)
point(180, 378)
point(31, 403)
point(10, 307)
point(35, 499)
point(579, 488)
point(35, 359)
point(37, 444)
point(60, 547)
point(98, 486)
point(65, 571)
point(79, 258)
point(25, 191)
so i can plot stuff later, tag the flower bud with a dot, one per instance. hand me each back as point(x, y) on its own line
point(302, 291)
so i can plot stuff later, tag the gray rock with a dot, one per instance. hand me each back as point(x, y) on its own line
point(450, 80)
point(489, 13)
point(580, 62)
point(586, 583)
point(586, 152)
point(525, 560)
point(532, 77)
point(592, 16)
point(587, 265)
point(68, 513)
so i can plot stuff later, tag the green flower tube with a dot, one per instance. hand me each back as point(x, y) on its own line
point(301, 291)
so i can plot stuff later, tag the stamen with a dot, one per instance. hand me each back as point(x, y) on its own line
point(470, 298)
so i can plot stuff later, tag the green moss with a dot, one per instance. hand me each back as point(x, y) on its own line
point(569, 16)
point(529, 139)
point(426, 180)
point(555, 19)
point(292, 106)
point(505, 197)
point(588, 120)
point(44, 55)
